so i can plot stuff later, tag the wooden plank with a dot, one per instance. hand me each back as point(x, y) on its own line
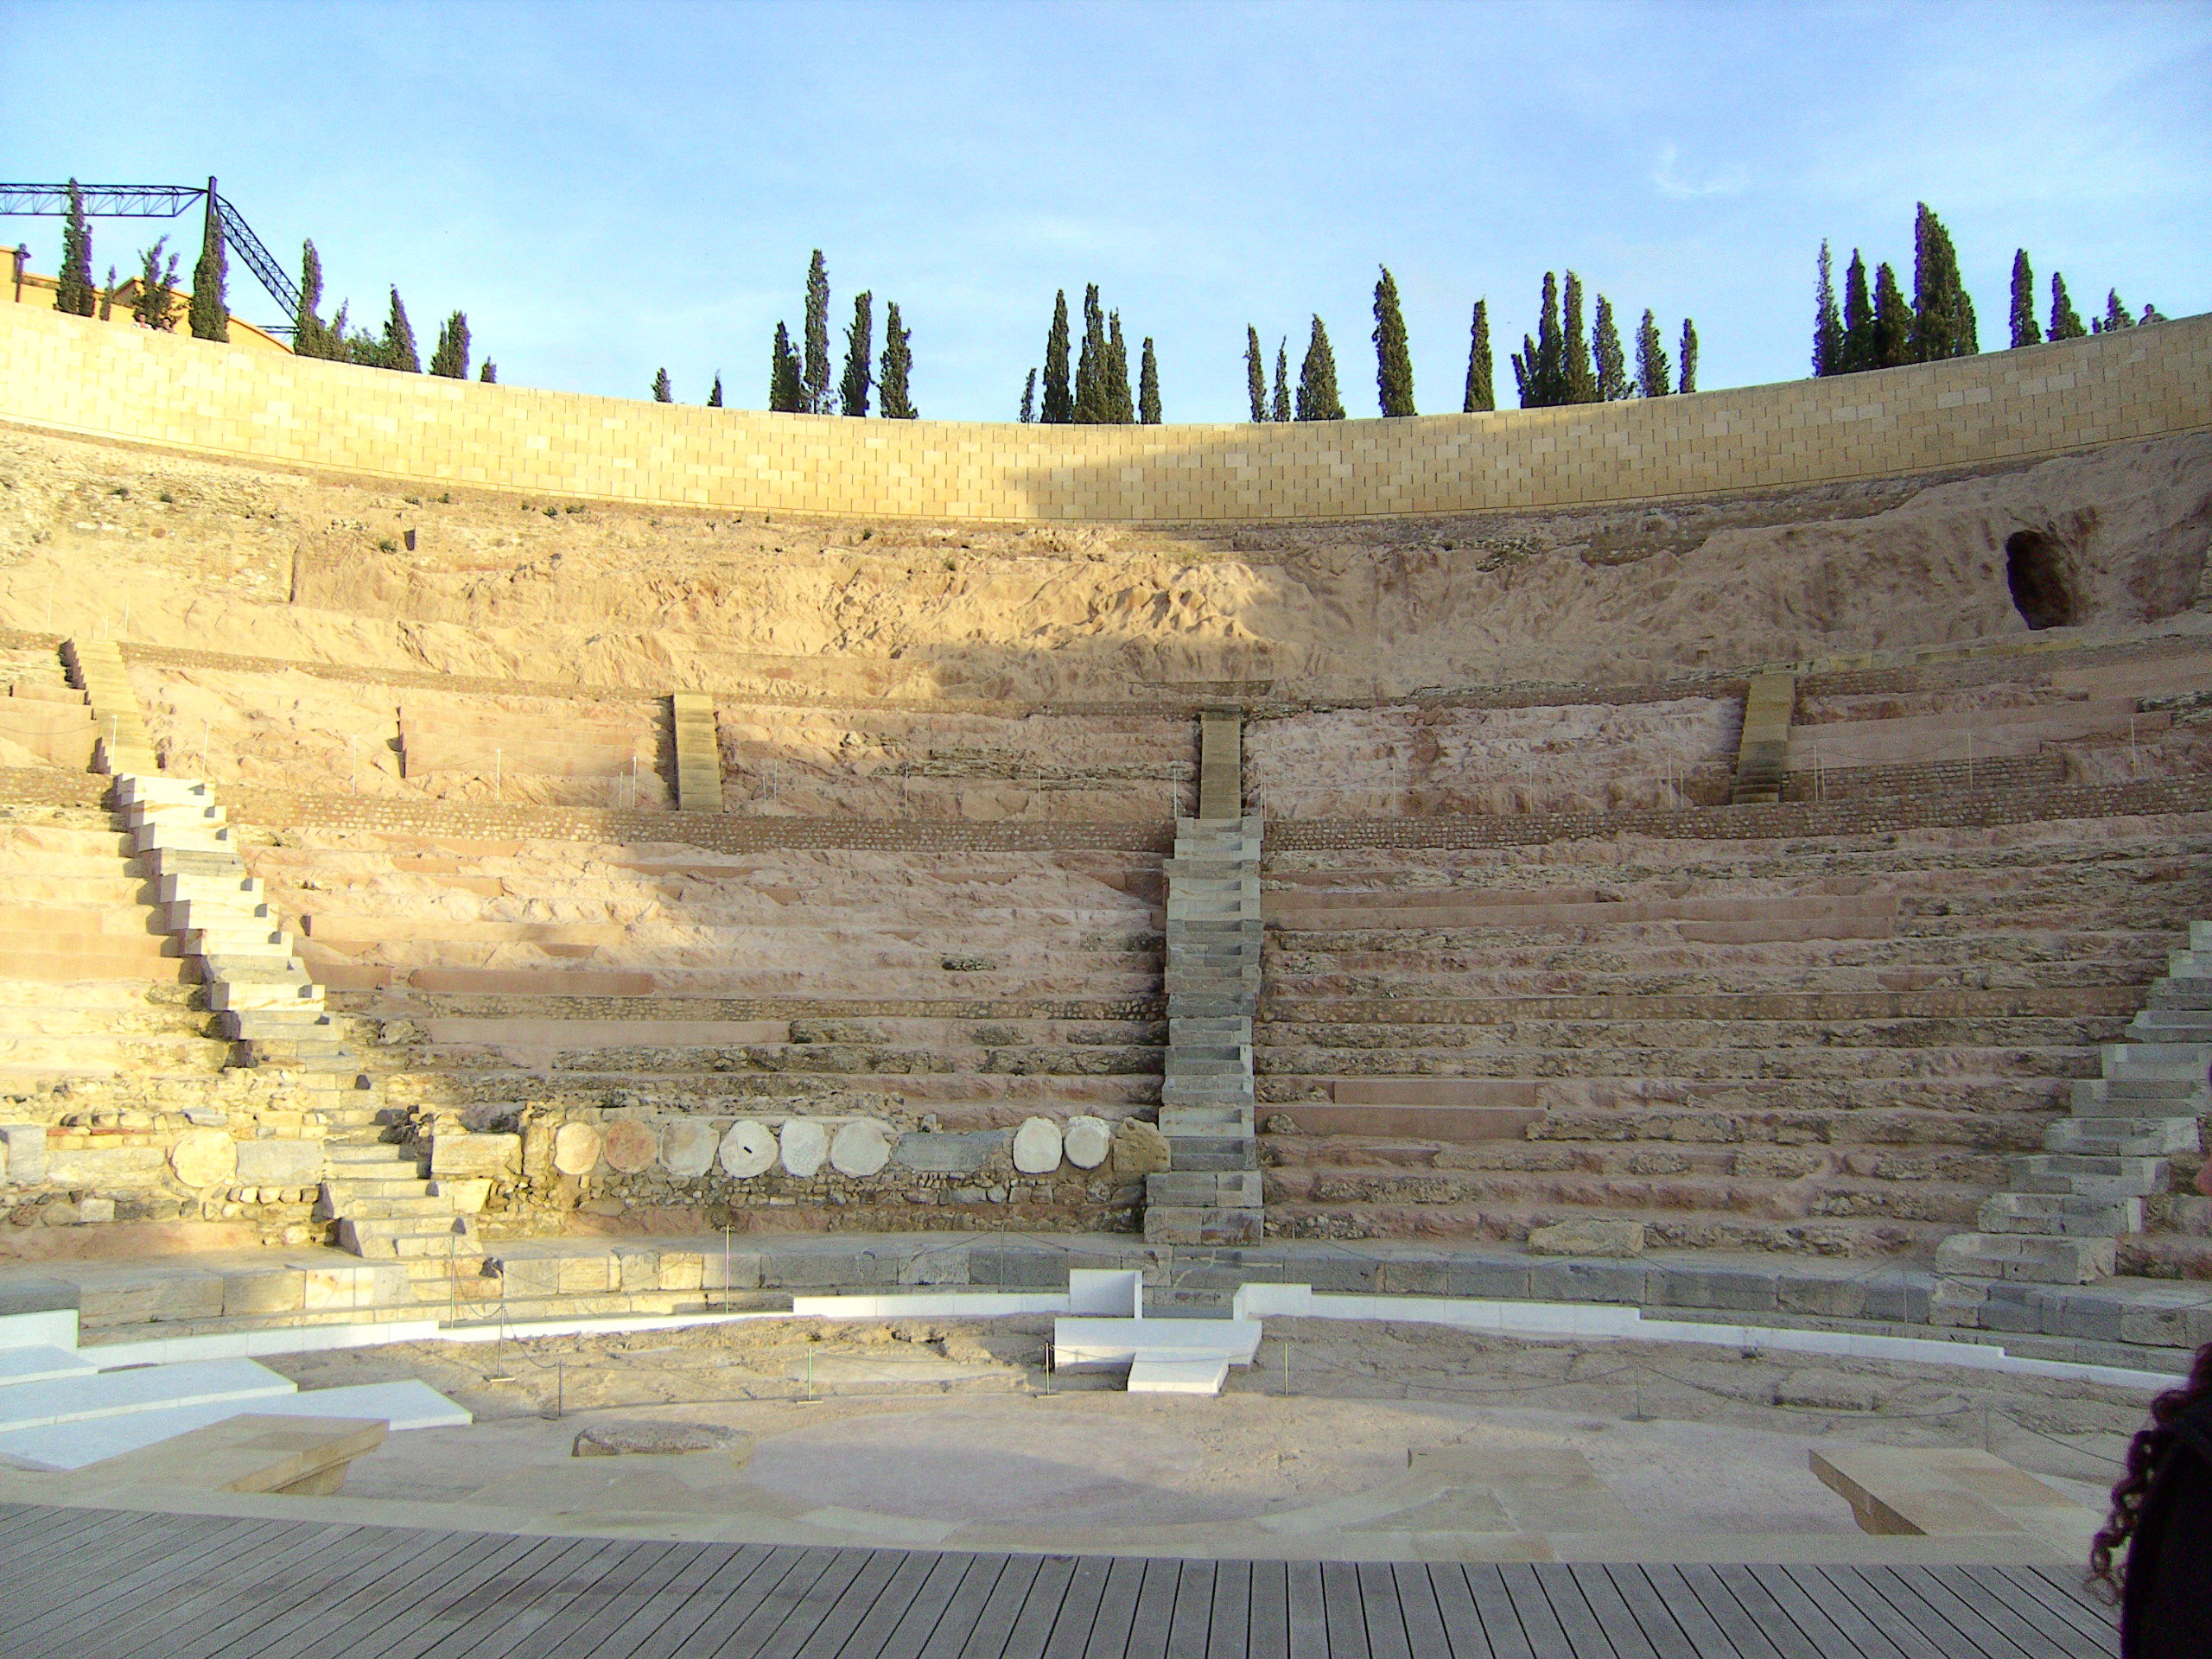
point(1342, 1609)
point(1117, 1609)
point(1999, 1628)
point(27, 1532)
point(1457, 1597)
point(169, 1593)
point(438, 1608)
point(1155, 1620)
point(511, 1597)
point(1078, 1609)
point(827, 1636)
point(713, 1561)
point(295, 1604)
point(1031, 1632)
point(1424, 1634)
point(1268, 1623)
point(1229, 1612)
point(993, 1626)
point(381, 1554)
point(1190, 1633)
point(743, 1624)
point(1707, 1639)
point(2065, 1598)
point(1825, 1634)
point(1739, 1629)
point(962, 1613)
point(808, 1609)
point(1583, 1630)
point(1547, 1640)
point(732, 1593)
point(351, 1627)
point(1385, 1619)
point(919, 1621)
point(1647, 1609)
point(2070, 1626)
point(110, 1547)
point(547, 1596)
point(1767, 1614)
point(582, 1634)
point(1848, 1600)
point(1307, 1611)
point(1953, 1628)
point(49, 1595)
point(1606, 1605)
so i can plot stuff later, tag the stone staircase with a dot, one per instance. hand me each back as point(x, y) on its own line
point(1762, 755)
point(699, 751)
point(2069, 1205)
point(1211, 1193)
point(96, 669)
point(271, 1011)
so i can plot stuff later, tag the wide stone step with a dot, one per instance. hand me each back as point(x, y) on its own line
point(430, 1237)
point(1233, 1121)
point(1238, 1188)
point(272, 995)
point(2090, 1177)
point(293, 1023)
point(370, 1160)
point(1180, 1224)
point(2031, 1259)
point(2122, 1137)
point(1195, 1152)
point(2052, 1215)
point(2160, 1097)
point(1206, 1091)
point(421, 1207)
point(343, 1192)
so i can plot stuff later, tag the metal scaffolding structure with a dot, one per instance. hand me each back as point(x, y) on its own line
point(162, 202)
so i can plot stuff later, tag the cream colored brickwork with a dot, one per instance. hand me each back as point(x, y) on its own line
point(65, 373)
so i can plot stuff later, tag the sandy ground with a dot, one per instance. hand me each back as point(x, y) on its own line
point(949, 1425)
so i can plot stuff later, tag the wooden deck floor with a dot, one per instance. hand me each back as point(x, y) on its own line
point(105, 1584)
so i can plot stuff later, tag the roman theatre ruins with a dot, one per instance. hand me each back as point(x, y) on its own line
point(479, 857)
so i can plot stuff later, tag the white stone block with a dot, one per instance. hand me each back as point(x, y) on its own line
point(1037, 1146)
point(1087, 1141)
point(280, 1163)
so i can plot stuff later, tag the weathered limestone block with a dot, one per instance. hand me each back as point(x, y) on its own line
point(1139, 1149)
point(640, 1438)
point(951, 1154)
point(576, 1149)
point(279, 1290)
point(748, 1149)
point(805, 1144)
point(1086, 1141)
point(204, 1158)
point(631, 1146)
point(1588, 1236)
point(860, 1147)
point(1037, 1145)
point(23, 1153)
point(105, 1166)
point(688, 1147)
point(280, 1163)
point(469, 1195)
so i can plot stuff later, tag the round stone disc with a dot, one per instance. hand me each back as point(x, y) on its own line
point(860, 1147)
point(748, 1149)
point(687, 1147)
point(576, 1149)
point(1037, 1145)
point(204, 1157)
point(1087, 1141)
point(631, 1146)
point(805, 1145)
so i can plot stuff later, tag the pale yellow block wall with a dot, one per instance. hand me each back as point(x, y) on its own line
point(66, 373)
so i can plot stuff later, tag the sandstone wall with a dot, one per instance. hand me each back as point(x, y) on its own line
point(68, 374)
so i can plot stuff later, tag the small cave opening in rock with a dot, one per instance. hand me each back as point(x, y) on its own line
point(2034, 570)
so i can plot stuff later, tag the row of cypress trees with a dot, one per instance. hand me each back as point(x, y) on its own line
point(799, 384)
point(154, 304)
point(394, 349)
point(1879, 329)
point(1316, 398)
point(1563, 365)
point(1098, 392)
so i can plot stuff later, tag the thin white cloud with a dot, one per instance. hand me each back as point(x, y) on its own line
point(1669, 177)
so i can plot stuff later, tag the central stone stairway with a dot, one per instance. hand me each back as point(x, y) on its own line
point(1210, 1193)
point(2069, 1205)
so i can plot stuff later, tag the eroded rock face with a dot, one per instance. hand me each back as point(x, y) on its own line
point(645, 1437)
point(1588, 1236)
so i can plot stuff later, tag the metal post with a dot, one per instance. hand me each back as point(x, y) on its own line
point(725, 1266)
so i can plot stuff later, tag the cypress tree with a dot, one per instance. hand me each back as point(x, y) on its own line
point(896, 379)
point(73, 290)
point(715, 396)
point(1317, 380)
point(2116, 314)
point(1279, 409)
point(397, 348)
point(1827, 321)
point(1059, 407)
point(2025, 330)
point(211, 310)
point(155, 306)
point(1091, 406)
point(1149, 387)
point(786, 376)
point(1688, 382)
point(859, 346)
point(1029, 398)
point(1537, 365)
point(1608, 358)
point(490, 374)
point(1481, 398)
point(1652, 369)
point(1393, 363)
point(451, 358)
point(1581, 380)
point(1255, 373)
point(815, 370)
point(2065, 320)
point(663, 392)
point(306, 327)
point(107, 296)
point(1858, 347)
point(1942, 315)
point(1892, 338)
point(1121, 408)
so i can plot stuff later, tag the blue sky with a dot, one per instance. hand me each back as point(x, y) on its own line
point(608, 190)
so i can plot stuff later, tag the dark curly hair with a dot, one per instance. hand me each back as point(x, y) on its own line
point(2147, 1454)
